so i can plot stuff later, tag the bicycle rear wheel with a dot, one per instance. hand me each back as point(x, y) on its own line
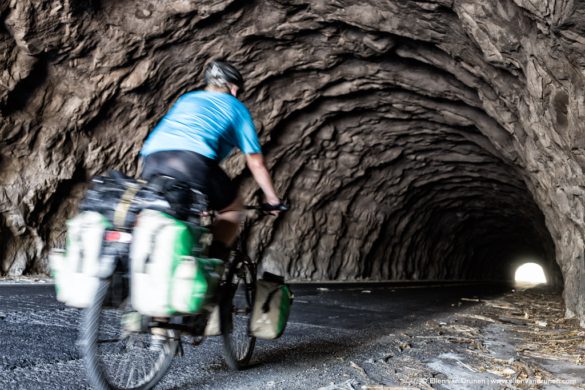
point(236, 304)
point(118, 359)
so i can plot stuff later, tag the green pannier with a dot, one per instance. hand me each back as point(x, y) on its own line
point(271, 307)
point(195, 283)
point(168, 275)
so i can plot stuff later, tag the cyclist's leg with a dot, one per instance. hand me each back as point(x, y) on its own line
point(185, 166)
point(223, 196)
point(227, 223)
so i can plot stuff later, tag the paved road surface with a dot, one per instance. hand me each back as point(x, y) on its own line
point(328, 324)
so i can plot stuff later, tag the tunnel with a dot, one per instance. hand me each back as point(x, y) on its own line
point(389, 194)
point(414, 140)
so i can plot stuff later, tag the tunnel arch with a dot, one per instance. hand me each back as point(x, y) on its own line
point(451, 164)
point(415, 139)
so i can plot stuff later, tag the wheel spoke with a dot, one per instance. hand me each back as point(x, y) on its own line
point(122, 362)
point(238, 344)
point(108, 341)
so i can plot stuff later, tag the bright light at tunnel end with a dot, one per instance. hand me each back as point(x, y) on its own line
point(530, 273)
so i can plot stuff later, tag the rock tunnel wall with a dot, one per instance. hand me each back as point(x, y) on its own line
point(415, 139)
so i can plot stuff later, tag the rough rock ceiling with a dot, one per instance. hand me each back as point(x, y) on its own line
point(415, 139)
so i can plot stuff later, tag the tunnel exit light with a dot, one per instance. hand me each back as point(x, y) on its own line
point(530, 273)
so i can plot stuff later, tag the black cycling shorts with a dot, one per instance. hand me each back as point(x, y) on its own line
point(200, 172)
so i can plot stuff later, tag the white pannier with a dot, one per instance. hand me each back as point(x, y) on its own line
point(77, 269)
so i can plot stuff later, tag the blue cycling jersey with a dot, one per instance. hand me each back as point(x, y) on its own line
point(206, 122)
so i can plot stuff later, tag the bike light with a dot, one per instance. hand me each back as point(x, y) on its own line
point(112, 236)
point(118, 236)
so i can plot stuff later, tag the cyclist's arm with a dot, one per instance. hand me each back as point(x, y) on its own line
point(255, 162)
point(250, 146)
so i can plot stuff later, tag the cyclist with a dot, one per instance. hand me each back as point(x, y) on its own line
point(196, 134)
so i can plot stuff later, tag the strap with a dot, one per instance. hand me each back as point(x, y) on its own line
point(80, 263)
point(124, 204)
point(266, 305)
point(152, 243)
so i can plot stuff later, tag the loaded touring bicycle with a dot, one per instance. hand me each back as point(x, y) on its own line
point(135, 261)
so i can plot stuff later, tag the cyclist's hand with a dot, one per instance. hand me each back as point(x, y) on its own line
point(274, 209)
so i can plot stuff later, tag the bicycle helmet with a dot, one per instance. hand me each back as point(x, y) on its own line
point(219, 73)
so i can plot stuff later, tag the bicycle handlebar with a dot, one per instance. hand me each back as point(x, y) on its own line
point(266, 207)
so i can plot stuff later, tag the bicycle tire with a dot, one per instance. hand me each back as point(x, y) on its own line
point(237, 300)
point(111, 358)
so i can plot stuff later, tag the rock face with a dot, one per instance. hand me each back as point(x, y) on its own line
point(415, 139)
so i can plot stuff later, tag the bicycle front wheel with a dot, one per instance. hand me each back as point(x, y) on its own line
point(118, 359)
point(236, 304)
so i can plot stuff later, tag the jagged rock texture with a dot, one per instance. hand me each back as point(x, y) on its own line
point(415, 139)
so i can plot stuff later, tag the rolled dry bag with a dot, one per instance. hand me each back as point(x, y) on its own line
point(271, 307)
